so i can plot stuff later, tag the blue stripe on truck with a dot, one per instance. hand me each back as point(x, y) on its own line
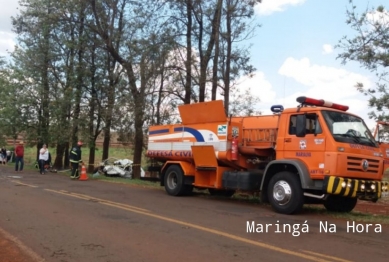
point(199, 137)
point(160, 131)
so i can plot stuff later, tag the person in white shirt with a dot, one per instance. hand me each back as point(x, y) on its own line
point(43, 157)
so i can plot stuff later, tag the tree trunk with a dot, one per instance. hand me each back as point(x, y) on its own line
point(92, 153)
point(188, 62)
point(204, 59)
point(228, 61)
point(92, 108)
point(215, 64)
point(58, 162)
point(159, 100)
point(138, 141)
point(106, 142)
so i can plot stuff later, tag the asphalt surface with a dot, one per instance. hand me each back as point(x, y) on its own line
point(58, 219)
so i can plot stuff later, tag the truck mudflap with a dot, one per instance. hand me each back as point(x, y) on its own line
point(363, 189)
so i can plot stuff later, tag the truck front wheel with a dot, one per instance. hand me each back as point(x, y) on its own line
point(174, 181)
point(285, 193)
point(336, 203)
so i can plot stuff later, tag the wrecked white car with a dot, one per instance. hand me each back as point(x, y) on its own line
point(118, 167)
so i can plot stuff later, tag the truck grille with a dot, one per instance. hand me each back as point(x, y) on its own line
point(354, 164)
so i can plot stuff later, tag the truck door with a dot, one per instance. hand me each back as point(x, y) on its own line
point(310, 148)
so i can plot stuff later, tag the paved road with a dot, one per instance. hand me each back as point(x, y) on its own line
point(64, 220)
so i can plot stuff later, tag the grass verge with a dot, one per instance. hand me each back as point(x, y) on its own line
point(352, 216)
point(311, 209)
point(138, 182)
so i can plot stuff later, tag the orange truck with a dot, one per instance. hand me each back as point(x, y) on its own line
point(313, 153)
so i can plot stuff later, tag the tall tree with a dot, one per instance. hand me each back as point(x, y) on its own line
point(34, 27)
point(181, 17)
point(11, 104)
point(235, 60)
point(55, 60)
point(370, 48)
point(201, 13)
point(136, 52)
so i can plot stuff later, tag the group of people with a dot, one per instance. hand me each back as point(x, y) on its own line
point(44, 156)
point(74, 157)
point(19, 157)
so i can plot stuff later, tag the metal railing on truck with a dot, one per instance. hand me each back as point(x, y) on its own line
point(259, 137)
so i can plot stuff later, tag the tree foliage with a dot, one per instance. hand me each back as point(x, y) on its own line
point(370, 48)
point(86, 68)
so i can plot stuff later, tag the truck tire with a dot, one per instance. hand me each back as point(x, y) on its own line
point(221, 192)
point(174, 181)
point(285, 193)
point(336, 203)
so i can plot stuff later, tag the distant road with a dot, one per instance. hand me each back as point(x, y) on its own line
point(81, 221)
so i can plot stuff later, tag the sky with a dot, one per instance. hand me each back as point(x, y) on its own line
point(293, 52)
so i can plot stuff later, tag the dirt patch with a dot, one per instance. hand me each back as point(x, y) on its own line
point(11, 251)
point(379, 208)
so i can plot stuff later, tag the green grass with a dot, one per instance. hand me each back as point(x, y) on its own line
point(127, 181)
point(119, 180)
point(309, 209)
point(352, 216)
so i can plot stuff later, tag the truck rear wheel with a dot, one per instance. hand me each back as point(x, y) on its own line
point(336, 203)
point(174, 181)
point(285, 193)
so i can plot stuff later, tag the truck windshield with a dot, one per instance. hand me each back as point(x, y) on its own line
point(347, 128)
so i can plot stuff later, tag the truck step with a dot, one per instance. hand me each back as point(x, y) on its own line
point(205, 168)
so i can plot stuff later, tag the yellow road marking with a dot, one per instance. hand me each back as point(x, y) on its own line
point(20, 183)
point(115, 203)
point(67, 194)
point(86, 197)
point(326, 256)
point(205, 229)
point(227, 235)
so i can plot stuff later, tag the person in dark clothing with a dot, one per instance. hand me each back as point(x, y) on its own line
point(75, 159)
point(3, 155)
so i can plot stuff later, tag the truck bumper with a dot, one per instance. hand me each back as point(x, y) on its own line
point(363, 189)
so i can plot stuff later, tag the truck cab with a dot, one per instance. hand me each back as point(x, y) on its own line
point(329, 142)
point(334, 153)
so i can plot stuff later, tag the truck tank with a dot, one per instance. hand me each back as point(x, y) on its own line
point(207, 124)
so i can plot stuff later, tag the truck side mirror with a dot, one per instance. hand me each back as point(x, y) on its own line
point(301, 121)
